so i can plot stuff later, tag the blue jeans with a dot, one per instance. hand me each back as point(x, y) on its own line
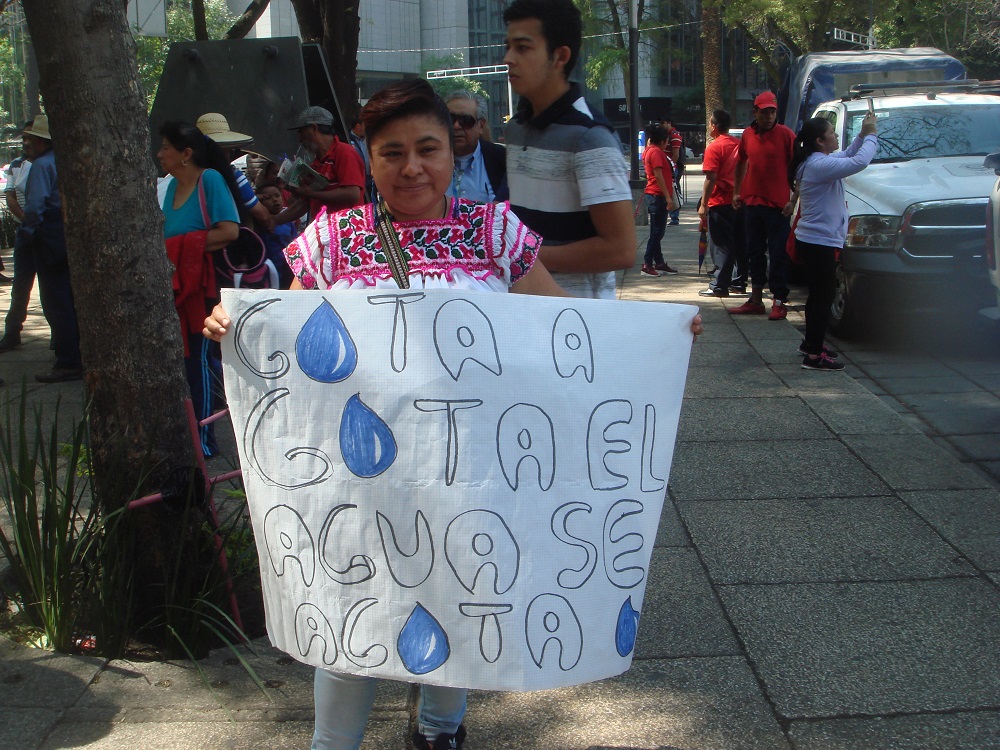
point(657, 207)
point(343, 702)
point(766, 234)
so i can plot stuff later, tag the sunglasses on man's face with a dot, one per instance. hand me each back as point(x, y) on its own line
point(465, 122)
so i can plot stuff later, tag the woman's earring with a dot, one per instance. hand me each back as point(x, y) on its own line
point(184, 163)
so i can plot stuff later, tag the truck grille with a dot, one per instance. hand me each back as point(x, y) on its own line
point(943, 230)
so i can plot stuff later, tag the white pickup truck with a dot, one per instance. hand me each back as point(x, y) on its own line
point(917, 213)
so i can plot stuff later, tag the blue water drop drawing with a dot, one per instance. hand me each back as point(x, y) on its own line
point(324, 347)
point(422, 644)
point(366, 442)
point(628, 626)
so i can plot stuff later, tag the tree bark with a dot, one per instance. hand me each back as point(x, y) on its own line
point(711, 58)
point(246, 21)
point(336, 25)
point(121, 277)
point(200, 23)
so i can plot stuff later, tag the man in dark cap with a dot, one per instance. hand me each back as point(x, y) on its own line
point(335, 160)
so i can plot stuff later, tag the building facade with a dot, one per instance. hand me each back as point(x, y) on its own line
point(405, 38)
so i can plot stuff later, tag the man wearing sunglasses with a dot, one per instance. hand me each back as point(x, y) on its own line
point(480, 166)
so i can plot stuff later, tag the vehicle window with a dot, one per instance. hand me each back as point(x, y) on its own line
point(921, 132)
point(831, 116)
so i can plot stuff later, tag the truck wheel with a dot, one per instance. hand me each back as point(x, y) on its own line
point(843, 311)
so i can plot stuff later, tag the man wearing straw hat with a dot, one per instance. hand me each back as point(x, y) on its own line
point(216, 127)
point(44, 234)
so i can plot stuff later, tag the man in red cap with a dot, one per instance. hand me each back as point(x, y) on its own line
point(761, 186)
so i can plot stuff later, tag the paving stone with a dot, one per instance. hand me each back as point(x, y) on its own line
point(870, 385)
point(809, 381)
point(719, 419)
point(963, 731)
point(694, 704)
point(33, 678)
point(196, 736)
point(970, 520)
point(974, 367)
point(912, 462)
point(23, 728)
point(953, 383)
point(882, 368)
point(974, 413)
point(977, 447)
point(708, 354)
point(731, 381)
point(670, 532)
point(680, 614)
point(769, 468)
point(780, 350)
point(784, 541)
point(854, 414)
point(826, 650)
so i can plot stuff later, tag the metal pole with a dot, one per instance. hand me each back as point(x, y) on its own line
point(633, 78)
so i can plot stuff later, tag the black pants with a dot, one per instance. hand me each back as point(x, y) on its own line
point(821, 268)
point(766, 235)
point(726, 230)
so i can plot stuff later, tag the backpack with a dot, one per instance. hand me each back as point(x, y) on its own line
point(243, 263)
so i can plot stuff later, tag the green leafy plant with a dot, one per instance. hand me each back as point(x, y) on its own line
point(53, 522)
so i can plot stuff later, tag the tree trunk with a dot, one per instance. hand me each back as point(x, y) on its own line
point(336, 25)
point(711, 51)
point(247, 20)
point(121, 277)
point(200, 23)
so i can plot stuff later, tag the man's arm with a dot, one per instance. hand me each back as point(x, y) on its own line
point(334, 198)
point(741, 172)
point(262, 217)
point(611, 250)
point(667, 188)
point(12, 205)
point(710, 179)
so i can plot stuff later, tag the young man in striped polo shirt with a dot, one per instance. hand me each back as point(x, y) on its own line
point(568, 179)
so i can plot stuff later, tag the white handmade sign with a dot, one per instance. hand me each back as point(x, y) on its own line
point(457, 488)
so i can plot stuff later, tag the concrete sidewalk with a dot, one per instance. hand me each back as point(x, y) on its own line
point(826, 577)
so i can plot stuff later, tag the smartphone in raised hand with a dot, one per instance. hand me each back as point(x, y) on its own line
point(871, 106)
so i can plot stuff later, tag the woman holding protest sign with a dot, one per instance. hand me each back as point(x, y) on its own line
point(473, 246)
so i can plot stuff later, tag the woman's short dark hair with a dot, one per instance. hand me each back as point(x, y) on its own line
point(656, 134)
point(805, 144)
point(205, 153)
point(562, 24)
point(404, 99)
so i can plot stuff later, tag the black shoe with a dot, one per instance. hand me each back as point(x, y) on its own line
point(826, 350)
point(443, 741)
point(60, 375)
point(9, 343)
point(821, 362)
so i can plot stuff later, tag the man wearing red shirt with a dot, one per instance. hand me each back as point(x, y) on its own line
point(659, 195)
point(337, 161)
point(761, 184)
point(719, 167)
point(675, 150)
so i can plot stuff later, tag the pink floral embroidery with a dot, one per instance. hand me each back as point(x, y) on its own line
point(345, 245)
